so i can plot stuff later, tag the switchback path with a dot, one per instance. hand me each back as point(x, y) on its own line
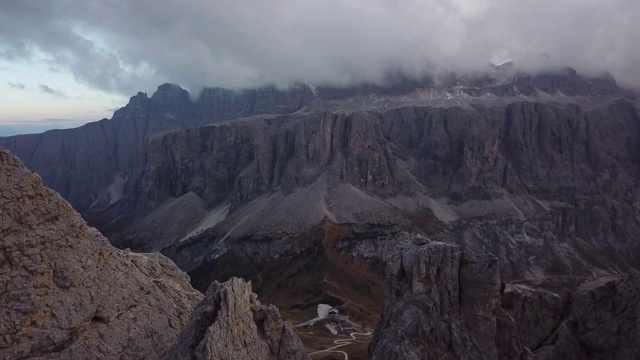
point(343, 342)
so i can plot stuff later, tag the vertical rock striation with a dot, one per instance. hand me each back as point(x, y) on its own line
point(85, 164)
point(442, 302)
point(230, 323)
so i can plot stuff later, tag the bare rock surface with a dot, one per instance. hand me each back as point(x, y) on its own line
point(487, 145)
point(65, 293)
point(601, 322)
point(230, 323)
point(115, 141)
point(442, 302)
point(511, 180)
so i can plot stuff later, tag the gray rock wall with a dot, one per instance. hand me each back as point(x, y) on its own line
point(537, 171)
point(442, 302)
point(67, 293)
point(230, 323)
point(81, 163)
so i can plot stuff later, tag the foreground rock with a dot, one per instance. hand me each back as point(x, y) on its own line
point(445, 303)
point(65, 293)
point(230, 323)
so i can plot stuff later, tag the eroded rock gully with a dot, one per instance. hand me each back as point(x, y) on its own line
point(444, 302)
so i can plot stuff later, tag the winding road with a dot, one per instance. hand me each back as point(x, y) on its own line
point(343, 342)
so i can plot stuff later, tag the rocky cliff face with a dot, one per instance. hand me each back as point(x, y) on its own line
point(85, 165)
point(539, 172)
point(230, 323)
point(531, 171)
point(68, 294)
point(601, 321)
point(443, 302)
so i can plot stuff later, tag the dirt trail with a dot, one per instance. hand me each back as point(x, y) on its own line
point(343, 342)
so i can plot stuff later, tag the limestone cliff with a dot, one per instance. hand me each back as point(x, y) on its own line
point(535, 171)
point(85, 165)
point(66, 293)
point(230, 323)
point(539, 172)
point(442, 302)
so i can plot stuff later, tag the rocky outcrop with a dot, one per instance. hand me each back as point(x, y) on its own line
point(230, 323)
point(443, 302)
point(598, 320)
point(66, 293)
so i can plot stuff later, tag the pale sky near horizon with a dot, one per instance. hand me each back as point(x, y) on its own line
point(35, 99)
point(67, 62)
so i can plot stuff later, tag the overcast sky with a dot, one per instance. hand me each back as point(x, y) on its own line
point(79, 59)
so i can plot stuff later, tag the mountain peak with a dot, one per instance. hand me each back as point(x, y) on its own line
point(231, 314)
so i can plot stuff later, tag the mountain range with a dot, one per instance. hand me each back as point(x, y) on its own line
point(504, 205)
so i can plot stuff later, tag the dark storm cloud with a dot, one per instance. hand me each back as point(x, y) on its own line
point(48, 90)
point(126, 46)
point(18, 85)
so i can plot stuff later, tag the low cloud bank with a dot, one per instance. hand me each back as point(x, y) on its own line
point(126, 46)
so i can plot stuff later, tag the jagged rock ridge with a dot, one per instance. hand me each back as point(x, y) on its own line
point(230, 323)
point(442, 302)
point(66, 159)
point(66, 293)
